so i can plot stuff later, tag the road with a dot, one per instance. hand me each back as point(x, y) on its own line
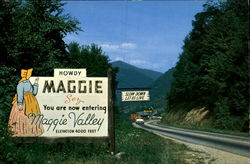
point(228, 143)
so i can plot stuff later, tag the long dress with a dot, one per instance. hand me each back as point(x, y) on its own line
point(20, 124)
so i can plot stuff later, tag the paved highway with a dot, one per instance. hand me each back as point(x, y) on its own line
point(229, 143)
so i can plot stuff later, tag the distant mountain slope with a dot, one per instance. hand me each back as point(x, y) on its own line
point(162, 84)
point(130, 76)
point(158, 92)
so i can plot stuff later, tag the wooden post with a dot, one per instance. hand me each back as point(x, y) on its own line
point(59, 147)
point(111, 114)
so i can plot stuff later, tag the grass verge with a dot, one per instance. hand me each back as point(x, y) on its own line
point(140, 147)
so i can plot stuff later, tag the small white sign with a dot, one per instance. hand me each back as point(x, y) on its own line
point(70, 72)
point(135, 96)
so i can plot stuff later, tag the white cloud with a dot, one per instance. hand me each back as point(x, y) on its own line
point(110, 47)
point(118, 47)
point(128, 45)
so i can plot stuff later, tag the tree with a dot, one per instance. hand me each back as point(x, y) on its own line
point(39, 28)
point(212, 70)
point(31, 35)
point(91, 57)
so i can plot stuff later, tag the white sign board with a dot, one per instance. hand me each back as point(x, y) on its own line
point(135, 96)
point(72, 105)
point(65, 73)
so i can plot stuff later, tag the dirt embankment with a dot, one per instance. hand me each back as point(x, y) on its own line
point(195, 117)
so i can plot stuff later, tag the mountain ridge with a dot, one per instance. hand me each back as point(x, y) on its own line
point(130, 76)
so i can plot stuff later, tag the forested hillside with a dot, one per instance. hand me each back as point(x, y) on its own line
point(130, 76)
point(163, 84)
point(212, 71)
point(158, 92)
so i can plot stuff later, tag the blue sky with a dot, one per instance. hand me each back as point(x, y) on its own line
point(147, 34)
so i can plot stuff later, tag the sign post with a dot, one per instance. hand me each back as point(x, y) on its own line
point(111, 113)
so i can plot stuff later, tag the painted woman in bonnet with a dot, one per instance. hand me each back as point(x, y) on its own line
point(24, 103)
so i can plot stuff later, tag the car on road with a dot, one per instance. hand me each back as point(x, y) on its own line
point(139, 121)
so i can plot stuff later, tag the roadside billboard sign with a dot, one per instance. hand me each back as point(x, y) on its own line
point(69, 104)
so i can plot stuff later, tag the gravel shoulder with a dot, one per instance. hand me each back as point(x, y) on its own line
point(206, 155)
